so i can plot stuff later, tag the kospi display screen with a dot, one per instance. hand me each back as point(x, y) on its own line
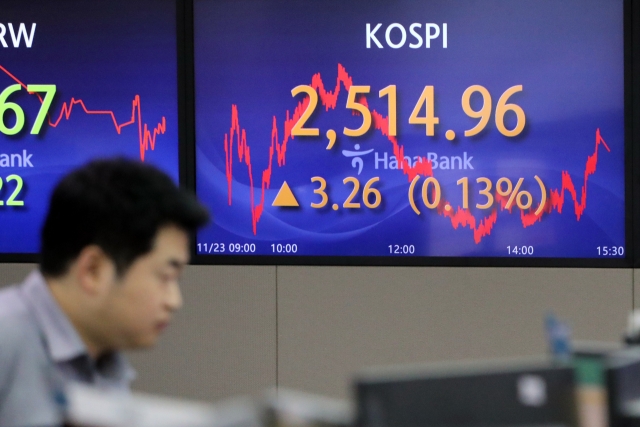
point(80, 80)
point(420, 132)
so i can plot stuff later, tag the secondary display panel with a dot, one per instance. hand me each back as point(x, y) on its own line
point(411, 132)
point(80, 80)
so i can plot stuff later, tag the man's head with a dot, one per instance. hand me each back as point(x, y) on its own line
point(114, 243)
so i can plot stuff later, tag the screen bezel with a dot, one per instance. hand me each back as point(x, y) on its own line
point(631, 20)
point(182, 103)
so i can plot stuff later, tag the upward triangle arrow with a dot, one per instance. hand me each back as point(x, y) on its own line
point(285, 197)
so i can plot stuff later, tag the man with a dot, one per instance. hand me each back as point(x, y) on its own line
point(114, 243)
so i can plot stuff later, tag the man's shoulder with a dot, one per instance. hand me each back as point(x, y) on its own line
point(18, 328)
point(25, 370)
point(15, 317)
point(18, 331)
point(11, 303)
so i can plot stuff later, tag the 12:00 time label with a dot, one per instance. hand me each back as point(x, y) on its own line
point(402, 249)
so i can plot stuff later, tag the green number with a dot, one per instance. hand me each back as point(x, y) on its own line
point(12, 200)
point(50, 91)
point(4, 106)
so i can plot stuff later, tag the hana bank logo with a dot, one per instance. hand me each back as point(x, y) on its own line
point(356, 161)
point(384, 161)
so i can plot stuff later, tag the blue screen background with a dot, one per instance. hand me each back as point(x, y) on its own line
point(567, 55)
point(103, 53)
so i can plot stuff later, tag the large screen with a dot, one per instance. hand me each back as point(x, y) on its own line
point(418, 132)
point(80, 80)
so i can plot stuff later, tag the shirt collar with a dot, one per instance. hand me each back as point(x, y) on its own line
point(63, 341)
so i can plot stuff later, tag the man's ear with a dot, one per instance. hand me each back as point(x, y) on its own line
point(94, 270)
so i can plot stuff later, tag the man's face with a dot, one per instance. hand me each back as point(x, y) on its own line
point(139, 305)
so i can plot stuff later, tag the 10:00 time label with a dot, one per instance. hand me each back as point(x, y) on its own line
point(288, 248)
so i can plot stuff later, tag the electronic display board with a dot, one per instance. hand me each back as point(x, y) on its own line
point(80, 80)
point(411, 132)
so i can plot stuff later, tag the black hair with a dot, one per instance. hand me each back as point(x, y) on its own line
point(118, 205)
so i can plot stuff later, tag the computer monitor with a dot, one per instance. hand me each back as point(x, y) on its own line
point(608, 375)
point(623, 386)
point(498, 393)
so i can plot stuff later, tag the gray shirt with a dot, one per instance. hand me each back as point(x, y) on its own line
point(39, 352)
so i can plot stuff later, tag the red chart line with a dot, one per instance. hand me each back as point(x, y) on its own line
point(146, 137)
point(555, 201)
point(458, 217)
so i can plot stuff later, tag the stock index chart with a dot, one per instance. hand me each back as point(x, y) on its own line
point(411, 129)
point(78, 81)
